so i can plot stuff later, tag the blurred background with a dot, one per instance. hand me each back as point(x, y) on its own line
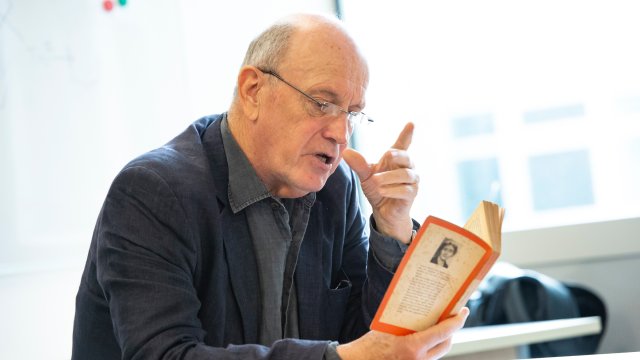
point(531, 104)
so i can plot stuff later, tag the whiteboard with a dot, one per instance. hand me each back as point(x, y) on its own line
point(83, 91)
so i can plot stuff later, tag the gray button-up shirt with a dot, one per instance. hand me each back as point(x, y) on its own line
point(277, 227)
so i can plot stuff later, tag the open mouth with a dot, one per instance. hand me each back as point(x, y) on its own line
point(325, 158)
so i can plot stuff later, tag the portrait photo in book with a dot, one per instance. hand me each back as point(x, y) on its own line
point(447, 249)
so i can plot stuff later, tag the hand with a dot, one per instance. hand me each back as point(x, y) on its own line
point(431, 343)
point(390, 185)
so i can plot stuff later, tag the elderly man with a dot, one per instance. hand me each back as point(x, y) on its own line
point(242, 237)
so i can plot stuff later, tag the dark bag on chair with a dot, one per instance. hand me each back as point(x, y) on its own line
point(512, 295)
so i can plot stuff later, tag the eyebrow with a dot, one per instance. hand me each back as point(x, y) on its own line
point(332, 97)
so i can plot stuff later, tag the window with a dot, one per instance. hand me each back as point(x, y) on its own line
point(525, 103)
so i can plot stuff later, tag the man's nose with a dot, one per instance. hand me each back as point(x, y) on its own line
point(339, 129)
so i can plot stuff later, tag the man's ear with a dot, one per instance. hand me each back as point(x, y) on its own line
point(250, 81)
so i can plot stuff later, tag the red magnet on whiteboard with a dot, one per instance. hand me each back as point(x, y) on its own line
point(107, 5)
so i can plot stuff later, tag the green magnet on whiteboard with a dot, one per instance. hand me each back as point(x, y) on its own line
point(122, 2)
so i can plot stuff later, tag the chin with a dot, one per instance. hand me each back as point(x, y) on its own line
point(301, 184)
point(309, 187)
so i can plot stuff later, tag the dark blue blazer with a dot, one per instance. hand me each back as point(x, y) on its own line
point(171, 272)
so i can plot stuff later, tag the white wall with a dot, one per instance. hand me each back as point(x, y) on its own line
point(83, 91)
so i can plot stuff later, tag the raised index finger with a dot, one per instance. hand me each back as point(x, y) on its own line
point(404, 139)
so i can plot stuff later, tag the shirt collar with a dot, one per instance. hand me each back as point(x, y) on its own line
point(245, 188)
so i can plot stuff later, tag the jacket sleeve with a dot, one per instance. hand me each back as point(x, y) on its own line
point(370, 277)
point(146, 258)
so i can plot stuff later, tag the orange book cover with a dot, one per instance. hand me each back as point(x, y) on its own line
point(442, 267)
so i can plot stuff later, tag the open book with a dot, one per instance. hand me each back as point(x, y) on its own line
point(442, 267)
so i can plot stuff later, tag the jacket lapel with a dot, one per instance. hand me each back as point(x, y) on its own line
point(242, 271)
point(238, 247)
point(309, 279)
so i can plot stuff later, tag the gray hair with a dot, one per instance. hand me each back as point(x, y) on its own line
point(270, 47)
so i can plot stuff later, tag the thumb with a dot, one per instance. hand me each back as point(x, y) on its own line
point(358, 163)
point(443, 330)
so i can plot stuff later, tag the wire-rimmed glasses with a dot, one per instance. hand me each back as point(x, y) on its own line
point(326, 108)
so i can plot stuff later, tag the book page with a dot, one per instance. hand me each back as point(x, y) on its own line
point(477, 223)
point(465, 297)
point(486, 222)
point(428, 282)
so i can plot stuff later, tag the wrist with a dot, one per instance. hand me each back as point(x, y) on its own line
point(403, 233)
